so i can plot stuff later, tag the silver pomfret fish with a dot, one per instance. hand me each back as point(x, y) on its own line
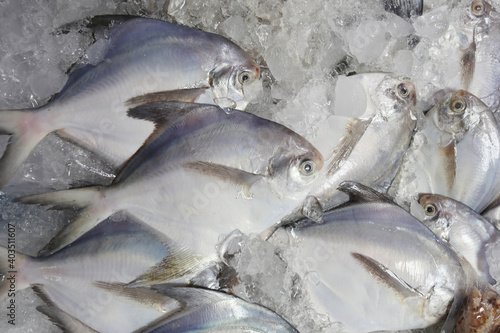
point(473, 61)
point(372, 147)
point(371, 266)
point(468, 233)
point(456, 154)
point(146, 60)
point(204, 310)
point(211, 172)
point(480, 61)
point(115, 251)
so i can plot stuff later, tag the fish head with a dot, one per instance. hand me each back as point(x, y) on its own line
point(294, 167)
point(477, 10)
point(471, 14)
point(456, 114)
point(438, 213)
point(234, 86)
point(395, 97)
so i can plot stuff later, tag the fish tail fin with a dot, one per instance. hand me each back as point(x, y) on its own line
point(76, 198)
point(12, 266)
point(25, 135)
point(94, 209)
point(63, 320)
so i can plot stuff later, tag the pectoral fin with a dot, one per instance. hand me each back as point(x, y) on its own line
point(179, 95)
point(228, 174)
point(388, 277)
point(467, 63)
point(354, 131)
point(448, 156)
point(162, 113)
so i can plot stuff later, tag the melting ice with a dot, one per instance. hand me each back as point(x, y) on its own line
point(302, 47)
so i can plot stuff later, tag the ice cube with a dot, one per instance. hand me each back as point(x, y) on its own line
point(433, 24)
point(368, 40)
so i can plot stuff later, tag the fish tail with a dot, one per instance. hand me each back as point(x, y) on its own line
point(94, 209)
point(12, 266)
point(76, 198)
point(25, 132)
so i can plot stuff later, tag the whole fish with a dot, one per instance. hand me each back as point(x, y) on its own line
point(115, 251)
point(372, 266)
point(456, 153)
point(468, 233)
point(210, 172)
point(372, 147)
point(145, 60)
point(204, 310)
point(480, 61)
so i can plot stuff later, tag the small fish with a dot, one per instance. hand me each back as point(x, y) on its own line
point(372, 266)
point(468, 233)
point(204, 310)
point(146, 60)
point(210, 172)
point(115, 251)
point(482, 79)
point(372, 147)
point(473, 62)
point(456, 153)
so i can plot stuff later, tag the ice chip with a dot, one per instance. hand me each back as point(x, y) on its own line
point(350, 98)
point(175, 5)
point(433, 24)
point(368, 41)
point(398, 27)
point(235, 28)
point(403, 62)
point(43, 84)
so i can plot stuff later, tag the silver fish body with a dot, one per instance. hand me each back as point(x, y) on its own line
point(372, 266)
point(211, 172)
point(204, 310)
point(115, 251)
point(373, 145)
point(146, 60)
point(467, 232)
point(456, 153)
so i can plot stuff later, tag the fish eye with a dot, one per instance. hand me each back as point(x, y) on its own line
point(403, 90)
point(478, 8)
point(458, 106)
point(243, 77)
point(307, 167)
point(430, 210)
